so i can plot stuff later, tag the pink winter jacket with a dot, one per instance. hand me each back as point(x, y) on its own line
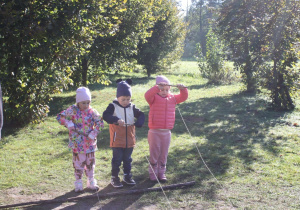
point(162, 110)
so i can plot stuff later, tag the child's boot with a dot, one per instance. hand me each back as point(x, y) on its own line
point(153, 172)
point(115, 182)
point(78, 185)
point(162, 173)
point(92, 184)
point(127, 178)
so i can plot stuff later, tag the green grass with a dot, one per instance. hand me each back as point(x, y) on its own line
point(253, 153)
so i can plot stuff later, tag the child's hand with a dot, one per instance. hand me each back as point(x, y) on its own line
point(121, 122)
point(161, 85)
point(180, 86)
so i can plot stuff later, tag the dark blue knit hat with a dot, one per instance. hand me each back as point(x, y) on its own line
point(123, 88)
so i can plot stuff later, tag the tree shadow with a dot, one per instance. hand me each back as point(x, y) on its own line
point(96, 200)
point(223, 129)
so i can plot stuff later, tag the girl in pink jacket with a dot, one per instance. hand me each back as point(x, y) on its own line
point(161, 120)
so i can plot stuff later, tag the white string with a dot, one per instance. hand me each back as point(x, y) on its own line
point(198, 148)
point(159, 182)
point(97, 191)
point(201, 154)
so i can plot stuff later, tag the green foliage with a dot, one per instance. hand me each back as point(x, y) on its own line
point(165, 45)
point(116, 52)
point(282, 32)
point(47, 46)
point(283, 86)
point(34, 55)
point(259, 31)
point(212, 65)
point(238, 23)
point(200, 18)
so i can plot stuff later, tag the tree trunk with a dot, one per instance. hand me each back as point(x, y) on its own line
point(84, 64)
point(248, 68)
point(281, 96)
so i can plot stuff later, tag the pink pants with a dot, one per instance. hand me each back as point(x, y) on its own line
point(159, 142)
point(84, 163)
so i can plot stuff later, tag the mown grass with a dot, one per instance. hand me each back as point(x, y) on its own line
point(252, 152)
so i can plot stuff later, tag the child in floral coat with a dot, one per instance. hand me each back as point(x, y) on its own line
point(84, 124)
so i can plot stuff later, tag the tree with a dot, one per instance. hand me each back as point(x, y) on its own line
point(37, 40)
point(117, 52)
point(166, 42)
point(237, 25)
point(212, 64)
point(260, 31)
point(103, 20)
point(281, 36)
point(200, 18)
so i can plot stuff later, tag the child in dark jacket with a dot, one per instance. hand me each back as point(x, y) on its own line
point(161, 121)
point(121, 114)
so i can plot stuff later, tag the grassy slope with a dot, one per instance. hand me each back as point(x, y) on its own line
point(253, 153)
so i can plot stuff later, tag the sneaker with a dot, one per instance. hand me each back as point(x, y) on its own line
point(115, 182)
point(128, 179)
point(162, 177)
point(78, 186)
point(92, 184)
point(162, 174)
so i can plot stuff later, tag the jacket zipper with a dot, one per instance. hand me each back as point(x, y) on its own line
point(125, 125)
point(166, 114)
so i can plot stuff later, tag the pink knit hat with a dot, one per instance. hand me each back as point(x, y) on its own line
point(162, 79)
point(83, 94)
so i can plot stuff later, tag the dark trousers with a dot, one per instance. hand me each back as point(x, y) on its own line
point(119, 155)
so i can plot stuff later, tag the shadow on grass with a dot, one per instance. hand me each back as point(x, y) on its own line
point(97, 200)
point(229, 128)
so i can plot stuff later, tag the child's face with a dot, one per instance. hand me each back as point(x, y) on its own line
point(83, 105)
point(124, 100)
point(164, 91)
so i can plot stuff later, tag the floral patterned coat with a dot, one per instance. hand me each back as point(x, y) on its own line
point(86, 124)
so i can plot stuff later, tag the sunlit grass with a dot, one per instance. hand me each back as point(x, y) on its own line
point(253, 152)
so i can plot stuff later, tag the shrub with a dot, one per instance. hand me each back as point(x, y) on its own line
point(213, 66)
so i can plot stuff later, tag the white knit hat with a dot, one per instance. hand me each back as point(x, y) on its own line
point(83, 94)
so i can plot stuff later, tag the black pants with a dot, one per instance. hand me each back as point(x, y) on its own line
point(119, 155)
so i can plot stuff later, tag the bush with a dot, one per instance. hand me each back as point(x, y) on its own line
point(213, 66)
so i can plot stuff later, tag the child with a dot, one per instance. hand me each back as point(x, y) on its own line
point(161, 120)
point(121, 114)
point(84, 124)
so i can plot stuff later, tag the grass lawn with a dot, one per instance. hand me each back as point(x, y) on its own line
point(253, 153)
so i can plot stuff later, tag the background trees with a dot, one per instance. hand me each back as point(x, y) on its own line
point(165, 45)
point(262, 31)
point(238, 26)
point(201, 16)
point(263, 38)
point(36, 40)
point(48, 45)
point(281, 36)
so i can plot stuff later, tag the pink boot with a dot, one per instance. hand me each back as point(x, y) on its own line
point(153, 172)
point(162, 173)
